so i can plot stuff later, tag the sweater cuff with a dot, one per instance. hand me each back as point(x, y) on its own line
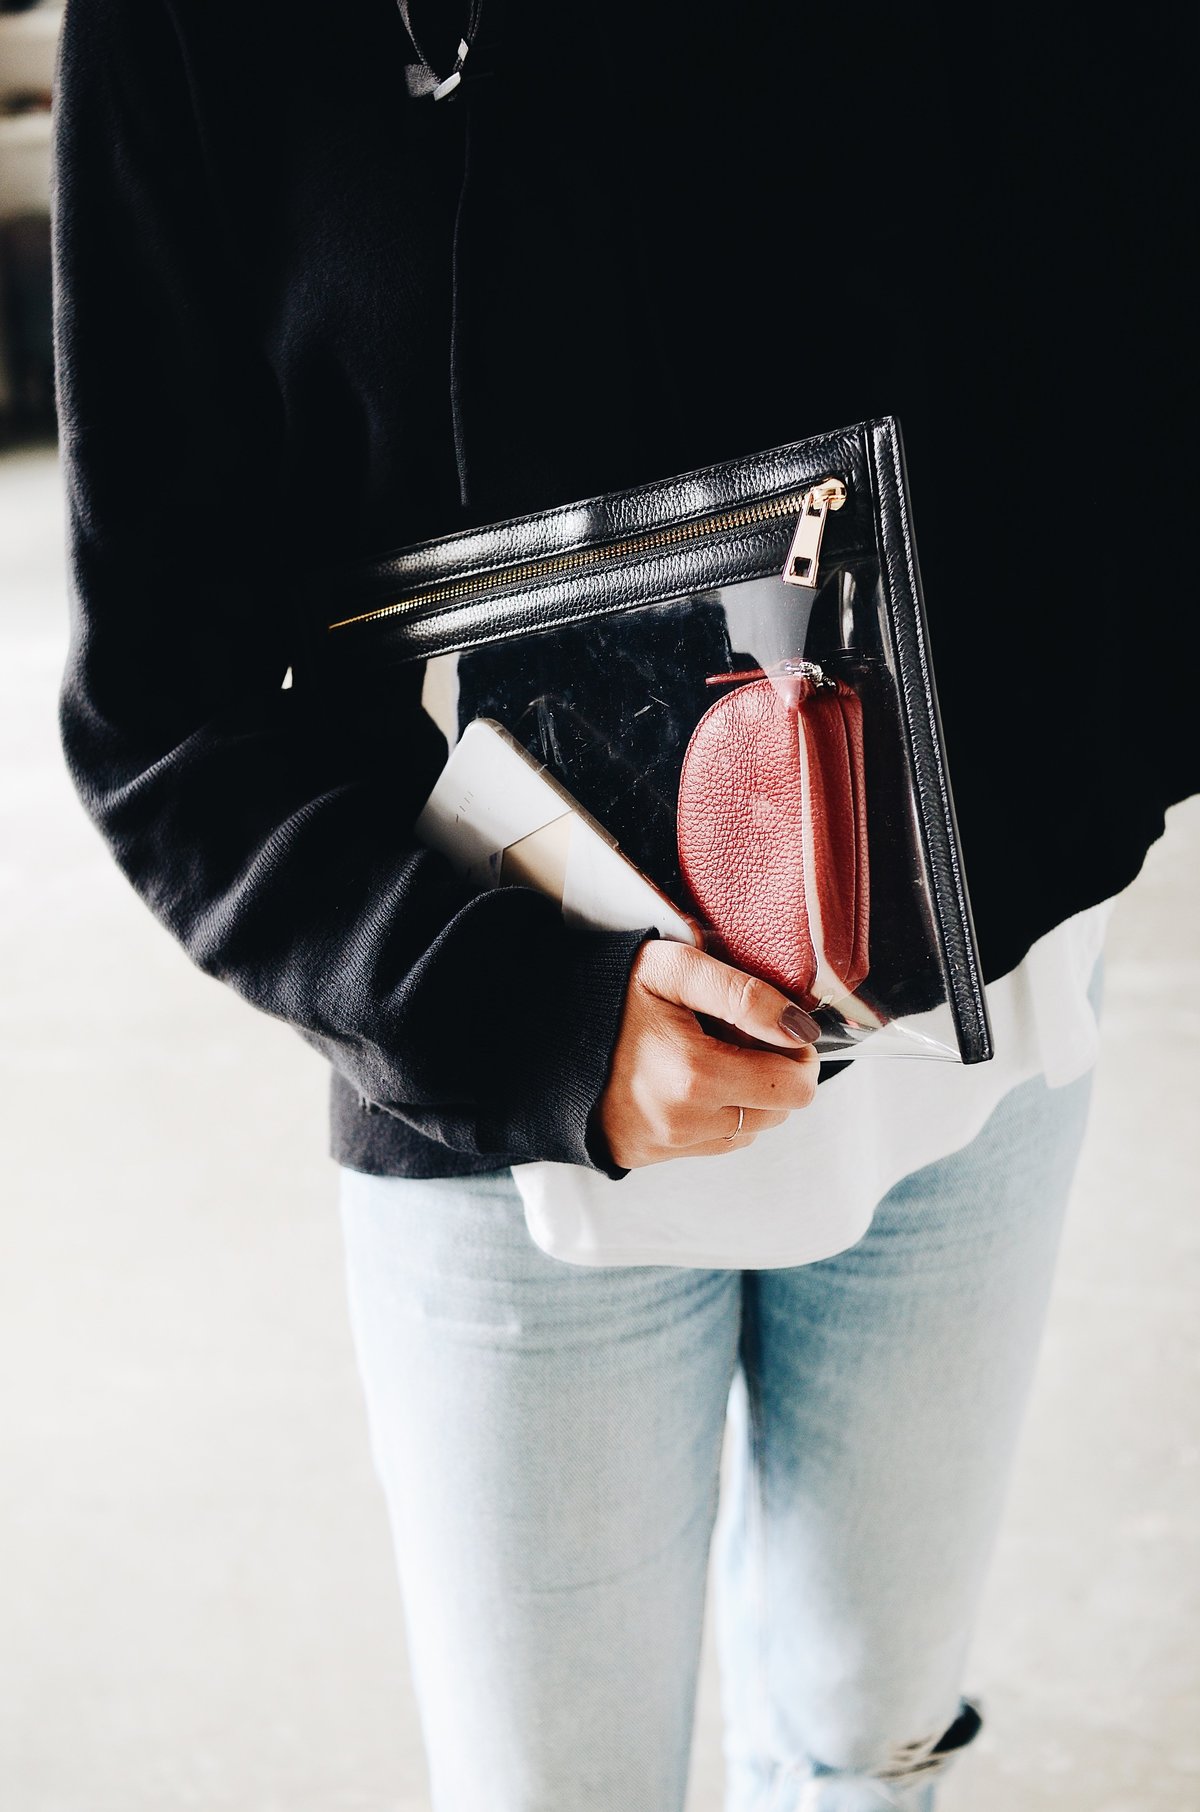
point(562, 1053)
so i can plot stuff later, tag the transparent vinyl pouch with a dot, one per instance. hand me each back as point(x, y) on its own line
point(707, 705)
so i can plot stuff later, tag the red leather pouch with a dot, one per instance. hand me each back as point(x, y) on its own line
point(772, 831)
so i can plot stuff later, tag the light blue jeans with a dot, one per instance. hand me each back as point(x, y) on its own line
point(549, 1439)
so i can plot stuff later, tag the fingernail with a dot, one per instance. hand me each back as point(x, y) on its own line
point(799, 1025)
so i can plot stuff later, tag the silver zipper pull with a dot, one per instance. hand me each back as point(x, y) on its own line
point(800, 567)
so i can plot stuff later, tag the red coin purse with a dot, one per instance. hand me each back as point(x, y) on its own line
point(772, 830)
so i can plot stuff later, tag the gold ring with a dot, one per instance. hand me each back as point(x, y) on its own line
point(731, 1136)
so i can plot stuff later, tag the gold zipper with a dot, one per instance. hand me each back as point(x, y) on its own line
point(813, 507)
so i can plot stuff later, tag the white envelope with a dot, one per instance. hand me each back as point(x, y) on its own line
point(502, 820)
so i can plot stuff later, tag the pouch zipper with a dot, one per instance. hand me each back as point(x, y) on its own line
point(811, 507)
point(787, 669)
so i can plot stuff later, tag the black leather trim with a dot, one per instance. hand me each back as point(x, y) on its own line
point(474, 553)
point(621, 584)
point(935, 806)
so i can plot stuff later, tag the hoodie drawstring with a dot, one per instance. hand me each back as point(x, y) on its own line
point(423, 81)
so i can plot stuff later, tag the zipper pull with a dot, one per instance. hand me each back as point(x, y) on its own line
point(788, 669)
point(800, 567)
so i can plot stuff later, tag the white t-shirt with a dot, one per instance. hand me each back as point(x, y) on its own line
point(807, 1189)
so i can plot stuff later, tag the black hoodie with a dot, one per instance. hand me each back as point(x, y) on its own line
point(303, 314)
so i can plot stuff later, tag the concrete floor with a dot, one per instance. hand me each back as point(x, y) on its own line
point(198, 1601)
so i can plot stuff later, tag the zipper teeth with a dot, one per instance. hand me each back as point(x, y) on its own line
point(767, 510)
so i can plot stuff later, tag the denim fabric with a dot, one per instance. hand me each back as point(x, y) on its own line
point(549, 1441)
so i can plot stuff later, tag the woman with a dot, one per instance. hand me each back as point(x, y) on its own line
point(314, 299)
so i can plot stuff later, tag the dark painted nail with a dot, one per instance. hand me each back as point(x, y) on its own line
point(799, 1025)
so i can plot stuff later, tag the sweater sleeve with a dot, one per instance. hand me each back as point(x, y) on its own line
point(268, 827)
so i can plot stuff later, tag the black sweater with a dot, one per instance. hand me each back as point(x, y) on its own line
point(302, 316)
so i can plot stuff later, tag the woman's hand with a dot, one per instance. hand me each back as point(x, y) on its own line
point(674, 1091)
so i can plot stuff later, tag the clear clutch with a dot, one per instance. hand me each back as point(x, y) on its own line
point(728, 675)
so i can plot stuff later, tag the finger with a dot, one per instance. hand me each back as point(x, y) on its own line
point(760, 1079)
point(754, 1120)
point(736, 1137)
point(760, 1119)
point(723, 1123)
point(715, 1148)
point(690, 978)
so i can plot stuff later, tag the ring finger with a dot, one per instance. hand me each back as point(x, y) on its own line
point(740, 1133)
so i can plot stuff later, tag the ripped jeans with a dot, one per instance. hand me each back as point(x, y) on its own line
point(549, 1440)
